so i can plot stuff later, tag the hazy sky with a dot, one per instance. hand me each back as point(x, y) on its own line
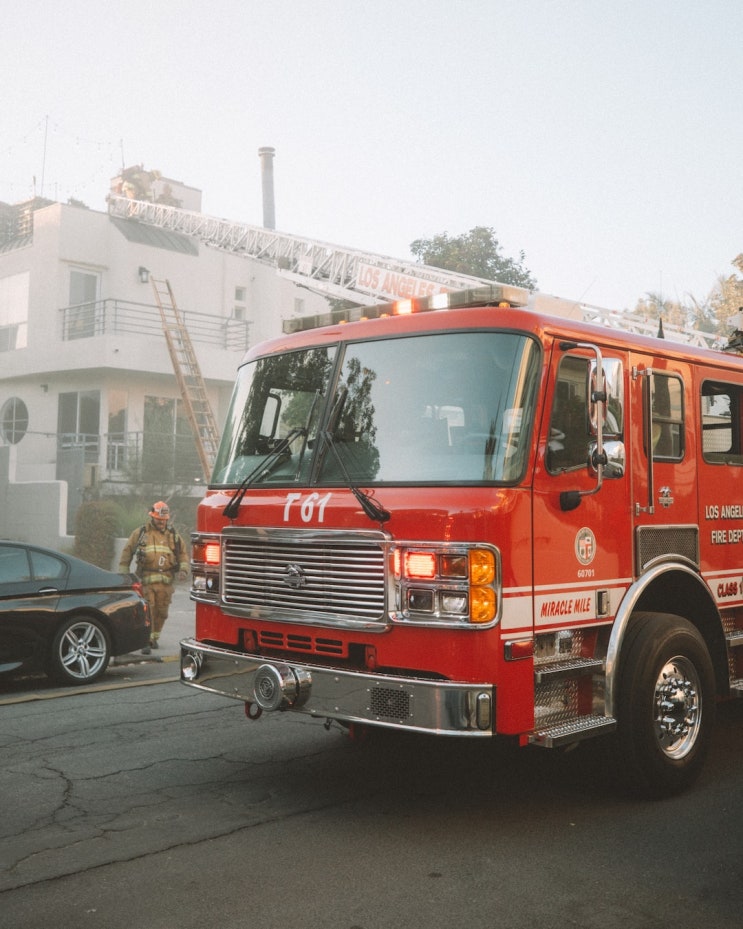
point(604, 138)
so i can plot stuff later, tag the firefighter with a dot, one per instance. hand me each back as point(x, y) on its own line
point(161, 557)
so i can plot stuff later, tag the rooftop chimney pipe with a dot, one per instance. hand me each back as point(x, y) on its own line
point(266, 154)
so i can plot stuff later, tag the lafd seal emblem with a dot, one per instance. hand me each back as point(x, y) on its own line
point(585, 546)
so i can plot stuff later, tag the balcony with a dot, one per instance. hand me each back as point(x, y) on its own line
point(123, 317)
point(131, 457)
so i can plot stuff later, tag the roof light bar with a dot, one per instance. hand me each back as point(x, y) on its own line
point(501, 295)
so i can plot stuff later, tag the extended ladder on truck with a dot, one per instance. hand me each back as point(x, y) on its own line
point(364, 277)
point(343, 273)
point(188, 375)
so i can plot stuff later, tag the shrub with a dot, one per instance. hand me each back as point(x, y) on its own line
point(96, 526)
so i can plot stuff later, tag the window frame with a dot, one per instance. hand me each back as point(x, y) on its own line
point(666, 420)
point(12, 434)
point(734, 392)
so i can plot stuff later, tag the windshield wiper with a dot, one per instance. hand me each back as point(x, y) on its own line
point(372, 509)
point(270, 462)
point(261, 470)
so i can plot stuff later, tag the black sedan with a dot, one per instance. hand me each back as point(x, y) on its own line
point(66, 617)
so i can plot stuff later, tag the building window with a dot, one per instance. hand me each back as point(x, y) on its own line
point(14, 312)
point(239, 310)
point(14, 420)
point(116, 447)
point(82, 311)
point(79, 421)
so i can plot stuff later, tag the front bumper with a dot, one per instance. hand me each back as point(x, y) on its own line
point(441, 707)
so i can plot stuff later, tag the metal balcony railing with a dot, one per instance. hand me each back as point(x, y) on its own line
point(134, 457)
point(107, 317)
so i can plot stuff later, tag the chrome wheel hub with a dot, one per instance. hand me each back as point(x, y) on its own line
point(677, 707)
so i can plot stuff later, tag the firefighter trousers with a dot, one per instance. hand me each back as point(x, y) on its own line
point(158, 595)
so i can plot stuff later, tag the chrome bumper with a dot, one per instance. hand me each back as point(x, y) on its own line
point(440, 707)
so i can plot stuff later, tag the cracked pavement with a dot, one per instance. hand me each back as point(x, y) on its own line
point(124, 777)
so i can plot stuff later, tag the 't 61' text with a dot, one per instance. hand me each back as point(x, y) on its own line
point(311, 507)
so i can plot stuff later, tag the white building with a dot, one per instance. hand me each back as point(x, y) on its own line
point(88, 394)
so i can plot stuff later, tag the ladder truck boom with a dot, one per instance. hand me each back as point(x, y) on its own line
point(367, 278)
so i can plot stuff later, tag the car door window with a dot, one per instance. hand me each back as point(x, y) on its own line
point(46, 567)
point(14, 566)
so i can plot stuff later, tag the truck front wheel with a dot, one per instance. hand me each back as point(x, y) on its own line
point(666, 705)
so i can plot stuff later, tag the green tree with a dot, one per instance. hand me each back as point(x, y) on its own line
point(655, 306)
point(726, 299)
point(701, 314)
point(689, 313)
point(476, 252)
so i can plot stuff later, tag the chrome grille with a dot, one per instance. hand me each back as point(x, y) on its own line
point(294, 573)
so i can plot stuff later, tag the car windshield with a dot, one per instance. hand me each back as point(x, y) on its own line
point(452, 407)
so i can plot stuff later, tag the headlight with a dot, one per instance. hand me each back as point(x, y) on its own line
point(444, 584)
point(205, 561)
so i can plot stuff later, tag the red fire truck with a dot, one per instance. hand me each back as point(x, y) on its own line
point(458, 516)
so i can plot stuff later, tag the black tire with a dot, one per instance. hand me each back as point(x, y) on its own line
point(665, 707)
point(81, 651)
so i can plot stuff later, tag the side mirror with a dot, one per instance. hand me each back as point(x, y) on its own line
point(614, 459)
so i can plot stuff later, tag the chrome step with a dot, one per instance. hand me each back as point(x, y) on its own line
point(583, 727)
point(569, 667)
point(736, 687)
point(734, 638)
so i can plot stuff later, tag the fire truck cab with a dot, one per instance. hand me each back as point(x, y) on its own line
point(462, 517)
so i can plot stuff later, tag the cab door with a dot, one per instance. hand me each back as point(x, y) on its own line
point(664, 499)
point(582, 552)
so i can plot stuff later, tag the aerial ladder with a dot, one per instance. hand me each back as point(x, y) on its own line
point(364, 277)
point(188, 375)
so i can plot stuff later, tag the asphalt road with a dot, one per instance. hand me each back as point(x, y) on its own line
point(146, 804)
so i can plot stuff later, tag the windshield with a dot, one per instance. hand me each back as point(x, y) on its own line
point(273, 398)
point(453, 407)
